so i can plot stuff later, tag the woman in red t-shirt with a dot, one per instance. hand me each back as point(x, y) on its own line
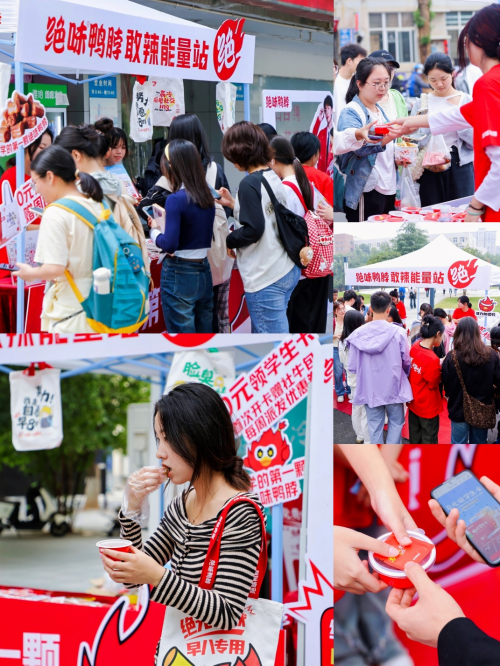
point(479, 40)
point(464, 309)
point(425, 377)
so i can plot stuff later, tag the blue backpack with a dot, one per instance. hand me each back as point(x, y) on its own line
point(125, 309)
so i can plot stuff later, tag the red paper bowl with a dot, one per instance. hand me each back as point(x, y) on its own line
point(121, 545)
point(394, 577)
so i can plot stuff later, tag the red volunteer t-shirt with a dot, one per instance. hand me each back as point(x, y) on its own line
point(425, 376)
point(482, 114)
point(459, 314)
point(322, 181)
point(401, 309)
point(347, 511)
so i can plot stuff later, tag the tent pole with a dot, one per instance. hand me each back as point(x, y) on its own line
point(246, 100)
point(20, 241)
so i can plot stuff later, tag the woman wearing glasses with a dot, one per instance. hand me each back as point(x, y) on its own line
point(479, 43)
point(65, 242)
point(370, 169)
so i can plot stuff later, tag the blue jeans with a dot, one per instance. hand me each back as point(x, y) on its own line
point(338, 371)
point(186, 295)
point(267, 307)
point(376, 418)
point(463, 433)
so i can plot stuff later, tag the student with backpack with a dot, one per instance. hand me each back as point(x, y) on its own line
point(425, 377)
point(379, 356)
point(89, 148)
point(269, 275)
point(68, 232)
point(307, 309)
point(186, 279)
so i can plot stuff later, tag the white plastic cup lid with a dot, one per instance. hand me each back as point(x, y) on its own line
point(392, 572)
point(114, 543)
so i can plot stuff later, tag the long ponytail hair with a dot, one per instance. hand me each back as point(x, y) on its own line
point(60, 162)
point(284, 153)
point(363, 71)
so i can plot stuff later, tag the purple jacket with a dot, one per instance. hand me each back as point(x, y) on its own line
point(380, 358)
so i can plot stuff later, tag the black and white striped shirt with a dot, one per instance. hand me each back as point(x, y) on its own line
point(186, 545)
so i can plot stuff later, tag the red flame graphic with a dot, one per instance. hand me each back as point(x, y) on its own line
point(272, 449)
point(462, 273)
point(227, 46)
point(487, 305)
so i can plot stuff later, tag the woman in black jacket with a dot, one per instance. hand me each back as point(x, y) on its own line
point(480, 369)
point(436, 619)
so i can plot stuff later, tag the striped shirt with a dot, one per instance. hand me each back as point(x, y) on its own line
point(186, 546)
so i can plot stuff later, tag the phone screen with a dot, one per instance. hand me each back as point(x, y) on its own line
point(478, 508)
point(149, 211)
point(214, 192)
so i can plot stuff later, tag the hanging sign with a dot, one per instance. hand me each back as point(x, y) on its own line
point(211, 367)
point(22, 121)
point(225, 101)
point(100, 40)
point(168, 100)
point(36, 411)
point(141, 112)
point(15, 211)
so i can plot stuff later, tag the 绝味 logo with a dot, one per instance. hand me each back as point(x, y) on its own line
point(227, 48)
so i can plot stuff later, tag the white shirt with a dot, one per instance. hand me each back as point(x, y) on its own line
point(385, 168)
point(340, 88)
point(452, 119)
point(345, 141)
point(441, 104)
point(389, 106)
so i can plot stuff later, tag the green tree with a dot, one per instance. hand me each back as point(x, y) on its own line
point(409, 238)
point(94, 419)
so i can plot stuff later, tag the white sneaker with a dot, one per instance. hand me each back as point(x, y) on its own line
point(400, 660)
point(359, 440)
point(340, 398)
point(349, 397)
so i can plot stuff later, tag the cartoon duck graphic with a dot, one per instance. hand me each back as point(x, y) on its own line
point(272, 449)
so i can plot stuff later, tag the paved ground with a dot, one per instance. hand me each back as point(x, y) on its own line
point(39, 560)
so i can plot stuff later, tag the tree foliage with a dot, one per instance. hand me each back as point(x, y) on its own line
point(94, 419)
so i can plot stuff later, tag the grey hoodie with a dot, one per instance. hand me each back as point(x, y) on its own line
point(110, 184)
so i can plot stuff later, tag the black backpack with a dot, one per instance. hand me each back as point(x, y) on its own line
point(292, 228)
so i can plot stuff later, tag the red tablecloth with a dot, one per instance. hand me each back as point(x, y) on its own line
point(33, 299)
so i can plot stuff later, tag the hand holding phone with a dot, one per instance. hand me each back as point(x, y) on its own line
point(8, 267)
point(469, 509)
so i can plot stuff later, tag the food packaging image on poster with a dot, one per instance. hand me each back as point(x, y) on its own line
point(168, 100)
point(141, 113)
point(22, 121)
point(36, 411)
point(225, 100)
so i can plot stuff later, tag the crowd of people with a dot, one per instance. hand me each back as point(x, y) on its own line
point(391, 367)
point(452, 120)
point(366, 495)
point(207, 231)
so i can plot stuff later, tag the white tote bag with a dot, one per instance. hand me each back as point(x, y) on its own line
point(221, 264)
point(168, 100)
point(186, 641)
point(35, 407)
point(202, 366)
point(141, 112)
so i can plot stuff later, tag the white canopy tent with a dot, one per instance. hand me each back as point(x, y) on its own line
point(439, 264)
point(54, 39)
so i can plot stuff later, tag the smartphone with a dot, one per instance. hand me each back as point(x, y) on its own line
point(149, 211)
point(375, 137)
point(8, 267)
point(215, 194)
point(37, 211)
point(479, 509)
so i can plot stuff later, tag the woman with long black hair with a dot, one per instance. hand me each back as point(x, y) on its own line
point(196, 444)
point(65, 243)
point(186, 279)
point(478, 43)
point(307, 309)
point(479, 368)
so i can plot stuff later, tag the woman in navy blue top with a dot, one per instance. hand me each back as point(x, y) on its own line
point(186, 280)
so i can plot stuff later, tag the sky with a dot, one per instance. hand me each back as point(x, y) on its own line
point(373, 230)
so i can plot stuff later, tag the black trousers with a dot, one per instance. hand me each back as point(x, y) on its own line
point(307, 307)
point(375, 203)
point(454, 183)
point(423, 431)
